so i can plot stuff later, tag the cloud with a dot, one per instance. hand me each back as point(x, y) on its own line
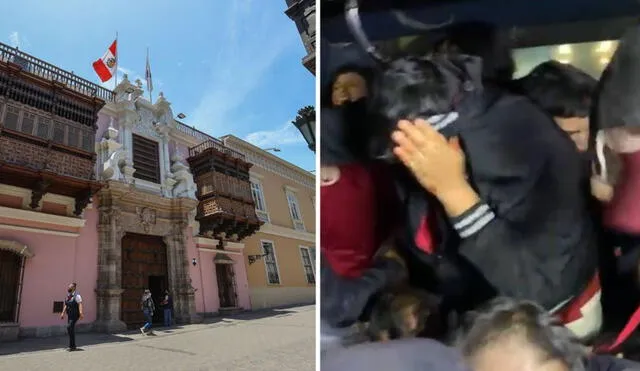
point(250, 50)
point(18, 41)
point(288, 134)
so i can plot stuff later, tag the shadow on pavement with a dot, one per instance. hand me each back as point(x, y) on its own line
point(90, 338)
point(58, 342)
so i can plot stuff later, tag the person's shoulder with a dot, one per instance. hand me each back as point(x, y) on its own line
point(78, 298)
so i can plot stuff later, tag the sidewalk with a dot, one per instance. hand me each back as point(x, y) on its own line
point(90, 339)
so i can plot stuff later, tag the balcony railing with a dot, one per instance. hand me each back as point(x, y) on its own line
point(50, 72)
point(217, 145)
point(193, 132)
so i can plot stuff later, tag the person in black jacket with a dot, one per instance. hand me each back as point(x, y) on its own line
point(505, 182)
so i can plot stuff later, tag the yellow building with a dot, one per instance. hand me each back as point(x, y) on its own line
point(281, 256)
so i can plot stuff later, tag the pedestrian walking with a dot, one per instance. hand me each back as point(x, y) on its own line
point(148, 307)
point(167, 304)
point(74, 311)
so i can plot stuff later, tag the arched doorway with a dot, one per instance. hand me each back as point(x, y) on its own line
point(10, 271)
point(226, 278)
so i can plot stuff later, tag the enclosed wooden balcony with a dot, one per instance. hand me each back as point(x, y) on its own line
point(226, 208)
point(47, 128)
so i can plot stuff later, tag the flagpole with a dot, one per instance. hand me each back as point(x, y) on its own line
point(147, 68)
point(117, 54)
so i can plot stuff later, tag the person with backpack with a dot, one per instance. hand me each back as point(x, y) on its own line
point(148, 308)
point(74, 310)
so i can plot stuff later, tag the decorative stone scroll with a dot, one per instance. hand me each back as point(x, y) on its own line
point(16, 247)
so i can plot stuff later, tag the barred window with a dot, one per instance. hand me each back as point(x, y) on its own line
point(11, 118)
point(308, 264)
point(146, 159)
point(28, 122)
point(271, 265)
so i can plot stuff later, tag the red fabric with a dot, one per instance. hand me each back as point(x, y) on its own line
point(571, 312)
point(423, 239)
point(105, 66)
point(356, 216)
point(623, 212)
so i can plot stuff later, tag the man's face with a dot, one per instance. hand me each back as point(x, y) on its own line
point(348, 87)
point(578, 130)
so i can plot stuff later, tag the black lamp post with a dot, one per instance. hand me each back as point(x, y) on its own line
point(306, 122)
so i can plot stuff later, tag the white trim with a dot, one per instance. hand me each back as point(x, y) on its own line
point(313, 269)
point(234, 245)
point(255, 175)
point(36, 230)
point(220, 251)
point(288, 192)
point(146, 185)
point(277, 230)
point(290, 188)
point(206, 241)
point(34, 216)
point(264, 212)
point(25, 195)
point(275, 258)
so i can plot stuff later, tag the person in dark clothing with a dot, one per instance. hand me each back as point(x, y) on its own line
point(357, 207)
point(74, 310)
point(500, 181)
point(167, 306)
point(148, 308)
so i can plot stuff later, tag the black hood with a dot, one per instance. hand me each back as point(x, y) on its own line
point(618, 94)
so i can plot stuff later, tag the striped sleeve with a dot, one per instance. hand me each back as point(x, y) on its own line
point(473, 220)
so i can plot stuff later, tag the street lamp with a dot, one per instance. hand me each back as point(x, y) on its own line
point(274, 149)
point(306, 122)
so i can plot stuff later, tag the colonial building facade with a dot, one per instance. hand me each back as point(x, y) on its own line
point(303, 13)
point(281, 256)
point(110, 191)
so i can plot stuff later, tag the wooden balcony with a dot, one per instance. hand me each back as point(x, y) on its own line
point(226, 209)
point(47, 128)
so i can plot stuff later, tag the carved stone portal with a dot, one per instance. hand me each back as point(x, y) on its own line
point(124, 209)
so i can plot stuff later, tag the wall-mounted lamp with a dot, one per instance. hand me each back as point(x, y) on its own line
point(181, 115)
point(194, 262)
point(254, 258)
point(274, 149)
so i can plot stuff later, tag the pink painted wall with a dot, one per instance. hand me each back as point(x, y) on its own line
point(58, 261)
point(203, 278)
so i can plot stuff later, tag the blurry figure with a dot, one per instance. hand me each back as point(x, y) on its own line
point(148, 308)
point(400, 355)
point(522, 336)
point(167, 306)
point(498, 183)
point(404, 313)
point(616, 125)
point(358, 209)
point(564, 92)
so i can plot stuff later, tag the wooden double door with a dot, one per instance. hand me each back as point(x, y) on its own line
point(144, 266)
point(10, 268)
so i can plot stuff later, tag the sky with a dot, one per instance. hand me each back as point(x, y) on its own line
point(232, 66)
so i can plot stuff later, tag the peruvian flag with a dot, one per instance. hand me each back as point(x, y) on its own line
point(106, 66)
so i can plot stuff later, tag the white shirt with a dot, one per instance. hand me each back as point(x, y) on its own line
point(77, 298)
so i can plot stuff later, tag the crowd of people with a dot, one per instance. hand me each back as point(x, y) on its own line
point(460, 206)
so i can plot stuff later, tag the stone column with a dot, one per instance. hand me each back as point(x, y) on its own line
point(109, 285)
point(179, 281)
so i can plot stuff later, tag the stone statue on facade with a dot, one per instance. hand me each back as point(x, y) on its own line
point(116, 162)
point(185, 185)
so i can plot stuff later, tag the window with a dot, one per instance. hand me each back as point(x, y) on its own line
point(146, 159)
point(312, 252)
point(43, 127)
point(28, 121)
point(270, 263)
point(313, 202)
point(258, 198)
point(294, 210)
point(11, 118)
point(58, 132)
point(591, 57)
point(308, 264)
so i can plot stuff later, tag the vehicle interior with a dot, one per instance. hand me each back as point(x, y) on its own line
point(583, 33)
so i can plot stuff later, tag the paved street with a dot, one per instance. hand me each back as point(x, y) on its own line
point(280, 339)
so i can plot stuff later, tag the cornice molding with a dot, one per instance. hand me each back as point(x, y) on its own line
point(277, 230)
point(37, 217)
point(271, 163)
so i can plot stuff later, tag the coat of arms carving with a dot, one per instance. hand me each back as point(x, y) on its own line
point(146, 217)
